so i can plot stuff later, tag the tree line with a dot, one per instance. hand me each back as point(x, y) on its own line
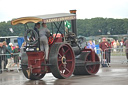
point(102, 26)
point(85, 27)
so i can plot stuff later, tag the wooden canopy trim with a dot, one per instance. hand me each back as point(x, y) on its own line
point(25, 20)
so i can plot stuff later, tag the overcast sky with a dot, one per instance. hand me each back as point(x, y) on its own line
point(10, 9)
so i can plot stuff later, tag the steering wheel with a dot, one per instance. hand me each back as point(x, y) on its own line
point(31, 36)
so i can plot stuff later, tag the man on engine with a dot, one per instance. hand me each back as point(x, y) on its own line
point(44, 34)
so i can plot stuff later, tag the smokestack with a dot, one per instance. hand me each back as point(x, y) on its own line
point(73, 22)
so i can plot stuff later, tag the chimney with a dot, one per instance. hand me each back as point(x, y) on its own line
point(73, 22)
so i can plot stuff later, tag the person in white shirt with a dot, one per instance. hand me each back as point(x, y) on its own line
point(44, 34)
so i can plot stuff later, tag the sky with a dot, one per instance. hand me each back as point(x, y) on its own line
point(10, 9)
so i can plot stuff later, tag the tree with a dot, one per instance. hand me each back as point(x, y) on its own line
point(85, 27)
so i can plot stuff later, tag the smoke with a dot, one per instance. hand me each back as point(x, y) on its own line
point(11, 30)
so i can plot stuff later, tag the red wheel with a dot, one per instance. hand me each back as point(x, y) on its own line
point(62, 59)
point(92, 69)
point(83, 68)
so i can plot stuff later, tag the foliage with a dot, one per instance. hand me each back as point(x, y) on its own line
point(102, 26)
point(85, 27)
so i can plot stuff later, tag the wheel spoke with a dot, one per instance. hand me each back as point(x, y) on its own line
point(62, 70)
point(63, 51)
point(69, 60)
point(60, 65)
point(66, 69)
point(90, 68)
point(60, 55)
point(94, 67)
point(66, 51)
point(59, 59)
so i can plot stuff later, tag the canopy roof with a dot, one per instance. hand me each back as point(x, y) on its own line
point(44, 18)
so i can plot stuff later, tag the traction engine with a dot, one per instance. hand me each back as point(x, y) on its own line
point(67, 56)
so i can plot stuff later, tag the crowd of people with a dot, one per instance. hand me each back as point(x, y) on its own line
point(9, 54)
point(106, 47)
point(115, 44)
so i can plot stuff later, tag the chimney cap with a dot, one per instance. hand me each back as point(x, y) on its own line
point(73, 11)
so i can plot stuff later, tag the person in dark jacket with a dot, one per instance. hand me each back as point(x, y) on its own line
point(3, 50)
point(16, 56)
point(126, 48)
point(37, 27)
point(105, 49)
point(5, 56)
point(9, 57)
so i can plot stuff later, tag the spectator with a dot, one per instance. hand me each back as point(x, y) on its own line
point(126, 48)
point(114, 46)
point(9, 57)
point(118, 45)
point(121, 44)
point(91, 45)
point(104, 46)
point(3, 50)
point(16, 56)
point(5, 44)
point(5, 57)
point(22, 49)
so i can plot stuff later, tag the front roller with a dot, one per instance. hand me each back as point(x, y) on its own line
point(26, 71)
point(85, 65)
point(62, 59)
point(31, 76)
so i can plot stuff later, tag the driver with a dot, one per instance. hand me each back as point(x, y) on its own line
point(37, 27)
point(44, 34)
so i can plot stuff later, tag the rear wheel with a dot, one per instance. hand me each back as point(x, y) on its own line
point(62, 59)
point(92, 69)
point(32, 76)
point(85, 69)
